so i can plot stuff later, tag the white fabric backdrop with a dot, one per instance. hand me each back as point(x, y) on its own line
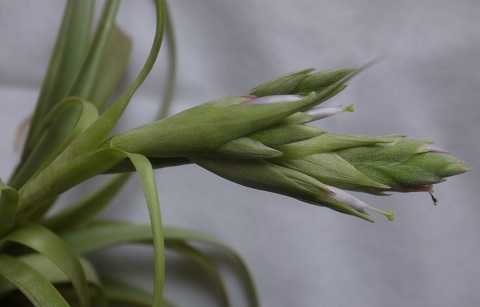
point(300, 255)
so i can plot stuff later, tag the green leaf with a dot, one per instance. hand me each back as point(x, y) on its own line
point(98, 131)
point(54, 248)
point(207, 265)
point(65, 63)
point(91, 73)
point(49, 270)
point(147, 178)
point(169, 89)
point(119, 292)
point(59, 177)
point(88, 207)
point(173, 233)
point(8, 207)
point(112, 67)
point(82, 156)
point(53, 274)
point(60, 127)
point(31, 283)
point(102, 234)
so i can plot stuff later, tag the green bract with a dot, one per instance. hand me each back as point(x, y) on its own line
point(262, 140)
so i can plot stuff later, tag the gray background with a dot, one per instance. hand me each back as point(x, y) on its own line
point(300, 255)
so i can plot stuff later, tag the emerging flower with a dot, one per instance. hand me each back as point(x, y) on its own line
point(263, 141)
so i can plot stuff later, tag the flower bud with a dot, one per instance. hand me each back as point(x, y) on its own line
point(205, 128)
point(281, 86)
point(267, 176)
point(333, 170)
point(404, 165)
point(301, 82)
point(359, 205)
point(329, 142)
point(314, 82)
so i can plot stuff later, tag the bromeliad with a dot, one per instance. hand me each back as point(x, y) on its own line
point(262, 139)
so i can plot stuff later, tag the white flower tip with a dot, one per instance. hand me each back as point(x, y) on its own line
point(433, 148)
point(348, 199)
point(324, 112)
point(357, 204)
point(276, 98)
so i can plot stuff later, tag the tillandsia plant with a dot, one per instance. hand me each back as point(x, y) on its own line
point(261, 139)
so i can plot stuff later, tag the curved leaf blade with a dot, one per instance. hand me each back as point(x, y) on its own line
point(119, 292)
point(31, 283)
point(68, 55)
point(89, 74)
point(57, 250)
point(60, 127)
point(103, 234)
point(88, 207)
point(147, 178)
point(8, 207)
point(206, 264)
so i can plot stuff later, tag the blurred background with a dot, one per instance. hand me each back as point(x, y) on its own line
point(427, 86)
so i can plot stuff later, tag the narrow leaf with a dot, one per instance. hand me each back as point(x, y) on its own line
point(88, 207)
point(59, 177)
point(206, 264)
point(8, 207)
point(85, 148)
point(169, 89)
point(102, 234)
point(67, 57)
point(98, 131)
point(112, 67)
point(51, 272)
point(119, 292)
point(60, 127)
point(89, 75)
point(53, 247)
point(147, 178)
point(31, 283)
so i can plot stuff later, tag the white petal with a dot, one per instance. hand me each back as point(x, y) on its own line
point(277, 98)
point(349, 199)
point(433, 148)
point(357, 204)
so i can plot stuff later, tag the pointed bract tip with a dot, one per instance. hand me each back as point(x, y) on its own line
point(457, 168)
point(349, 108)
point(390, 215)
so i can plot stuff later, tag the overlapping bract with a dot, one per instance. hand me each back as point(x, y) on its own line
point(264, 141)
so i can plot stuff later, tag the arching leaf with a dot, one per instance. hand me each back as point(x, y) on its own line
point(31, 283)
point(54, 248)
